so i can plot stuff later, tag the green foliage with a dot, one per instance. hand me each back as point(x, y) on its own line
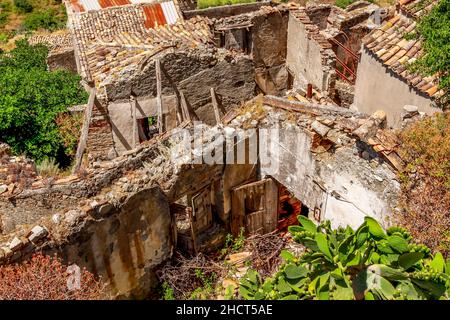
point(23, 6)
point(434, 28)
point(345, 264)
point(31, 98)
point(207, 289)
point(47, 19)
point(233, 244)
point(48, 168)
point(168, 293)
point(203, 4)
point(343, 3)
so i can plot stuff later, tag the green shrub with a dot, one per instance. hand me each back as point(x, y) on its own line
point(31, 98)
point(4, 38)
point(203, 4)
point(47, 20)
point(4, 16)
point(343, 3)
point(23, 6)
point(345, 264)
point(48, 168)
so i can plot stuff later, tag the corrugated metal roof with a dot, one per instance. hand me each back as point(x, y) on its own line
point(170, 12)
point(156, 13)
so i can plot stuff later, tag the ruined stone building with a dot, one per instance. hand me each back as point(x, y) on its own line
point(383, 69)
point(154, 68)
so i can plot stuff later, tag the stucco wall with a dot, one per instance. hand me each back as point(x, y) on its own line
point(304, 58)
point(125, 247)
point(121, 117)
point(344, 187)
point(378, 88)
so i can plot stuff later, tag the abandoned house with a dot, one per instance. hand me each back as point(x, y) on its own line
point(155, 68)
point(383, 69)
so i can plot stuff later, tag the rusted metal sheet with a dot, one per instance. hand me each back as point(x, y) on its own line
point(77, 7)
point(113, 3)
point(154, 16)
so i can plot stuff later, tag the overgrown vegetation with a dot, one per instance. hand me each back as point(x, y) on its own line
point(32, 99)
point(434, 29)
point(425, 192)
point(46, 278)
point(203, 4)
point(20, 17)
point(46, 19)
point(233, 244)
point(345, 264)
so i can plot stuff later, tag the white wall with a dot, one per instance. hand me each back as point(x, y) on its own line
point(377, 88)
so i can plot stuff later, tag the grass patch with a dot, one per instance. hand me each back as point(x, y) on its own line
point(203, 4)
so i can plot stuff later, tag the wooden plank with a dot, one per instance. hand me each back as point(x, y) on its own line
point(184, 107)
point(188, 109)
point(271, 212)
point(193, 231)
point(237, 211)
point(133, 112)
point(159, 96)
point(254, 222)
point(215, 106)
point(84, 131)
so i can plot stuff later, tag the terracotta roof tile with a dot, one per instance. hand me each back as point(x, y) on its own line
point(388, 44)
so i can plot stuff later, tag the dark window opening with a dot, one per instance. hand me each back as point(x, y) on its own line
point(147, 128)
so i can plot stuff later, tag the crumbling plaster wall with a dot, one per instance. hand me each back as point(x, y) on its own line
point(269, 49)
point(378, 88)
point(194, 74)
point(126, 245)
point(307, 60)
point(341, 185)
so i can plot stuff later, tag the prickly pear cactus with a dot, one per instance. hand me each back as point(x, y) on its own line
point(345, 264)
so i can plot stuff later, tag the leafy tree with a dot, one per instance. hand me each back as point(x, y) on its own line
point(31, 98)
point(345, 264)
point(47, 19)
point(435, 30)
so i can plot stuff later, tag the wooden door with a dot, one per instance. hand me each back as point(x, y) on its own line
point(254, 206)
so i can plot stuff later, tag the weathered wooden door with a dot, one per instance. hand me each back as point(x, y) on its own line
point(201, 210)
point(254, 206)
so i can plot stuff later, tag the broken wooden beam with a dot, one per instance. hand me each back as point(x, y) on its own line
point(159, 96)
point(190, 114)
point(215, 106)
point(84, 131)
point(133, 112)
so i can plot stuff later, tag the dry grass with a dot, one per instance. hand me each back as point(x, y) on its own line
point(425, 192)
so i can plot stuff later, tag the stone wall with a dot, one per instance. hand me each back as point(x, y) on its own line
point(193, 72)
point(322, 160)
point(309, 55)
point(124, 245)
point(377, 87)
point(62, 60)
point(225, 11)
point(269, 49)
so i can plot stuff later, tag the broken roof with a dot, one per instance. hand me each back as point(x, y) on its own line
point(389, 46)
point(111, 39)
point(416, 8)
point(58, 41)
